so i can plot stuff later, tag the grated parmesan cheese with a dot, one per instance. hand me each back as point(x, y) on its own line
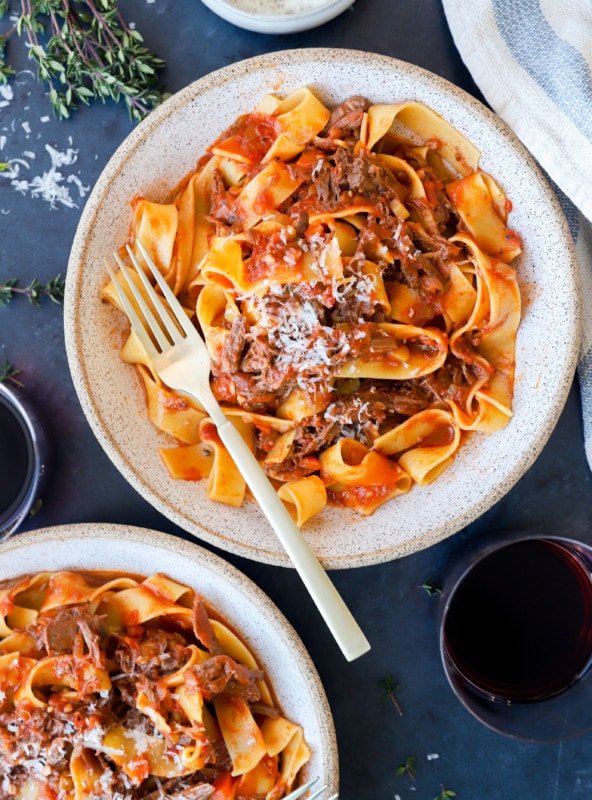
point(93, 738)
point(54, 185)
point(317, 167)
point(294, 329)
point(273, 7)
point(51, 185)
point(34, 765)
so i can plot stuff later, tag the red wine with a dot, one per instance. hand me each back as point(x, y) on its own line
point(519, 624)
point(16, 460)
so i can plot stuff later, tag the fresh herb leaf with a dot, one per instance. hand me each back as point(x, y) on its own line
point(35, 291)
point(36, 507)
point(7, 290)
point(407, 768)
point(430, 587)
point(8, 373)
point(85, 50)
point(445, 794)
point(54, 289)
point(389, 687)
point(5, 72)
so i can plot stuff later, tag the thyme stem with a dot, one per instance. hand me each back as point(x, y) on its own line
point(35, 291)
point(85, 50)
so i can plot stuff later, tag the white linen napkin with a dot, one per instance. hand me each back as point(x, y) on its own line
point(532, 60)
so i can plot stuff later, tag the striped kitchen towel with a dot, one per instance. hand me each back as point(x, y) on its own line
point(532, 60)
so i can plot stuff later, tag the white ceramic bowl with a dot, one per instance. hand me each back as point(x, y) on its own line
point(250, 612)
point(163, 149)
point(315, 13)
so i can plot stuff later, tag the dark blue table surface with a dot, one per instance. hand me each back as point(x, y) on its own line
point(452, 750)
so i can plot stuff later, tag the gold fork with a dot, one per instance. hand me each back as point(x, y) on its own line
point(180, 357)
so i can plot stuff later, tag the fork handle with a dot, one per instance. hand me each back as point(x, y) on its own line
point(333, 609)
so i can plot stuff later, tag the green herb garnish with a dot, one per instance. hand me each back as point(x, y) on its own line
point(35, 291)
point(389, 687)
point(85, 50)
point(430, 587)
point(445, 794)
point(407, 768)
point(8, 373)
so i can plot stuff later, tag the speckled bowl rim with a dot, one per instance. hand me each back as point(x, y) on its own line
point(291, 670)
point(278, 23)
point(554, 377)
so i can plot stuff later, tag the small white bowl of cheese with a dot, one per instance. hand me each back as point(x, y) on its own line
point(277, 16)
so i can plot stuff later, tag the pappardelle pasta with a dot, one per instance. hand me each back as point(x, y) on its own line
point(350, 270)
point(115, 687)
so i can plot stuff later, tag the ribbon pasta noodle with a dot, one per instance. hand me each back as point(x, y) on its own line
point(350, 269)
point(116, 686)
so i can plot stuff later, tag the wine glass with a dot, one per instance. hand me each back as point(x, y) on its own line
point(516, 636)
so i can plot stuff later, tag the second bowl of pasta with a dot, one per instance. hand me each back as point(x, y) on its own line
point(133, 663)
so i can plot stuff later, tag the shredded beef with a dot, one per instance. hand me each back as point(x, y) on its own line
point(234, 345)
point(221, 209)
point(202, 792)
point(293, 467)
point(257, 356)
point(326, 186)
point(314, 434)
point(202, 627)
point(364, 174)
point(221, 674)
point(300, 222)
point(381, 399)
point(69, 629)
point(259, 391)
point(156, 654)
point(346, 117)
point(360, 414)
point(252, 396)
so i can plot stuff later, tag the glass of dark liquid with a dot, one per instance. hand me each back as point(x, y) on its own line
point(25, 455)
point(516, 637)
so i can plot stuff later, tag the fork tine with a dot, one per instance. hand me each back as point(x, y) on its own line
point(158, 302)
point(173, 302)
point(319, 792)
point(300, 790)
point(154, 325)
point(135, 321)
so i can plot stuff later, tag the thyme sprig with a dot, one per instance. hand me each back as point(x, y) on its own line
point(85, 50)
point(445, 794)
point(388, 684)
point(8, 373)
point(35, 291)
point(431, 587)
point(407, 768)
